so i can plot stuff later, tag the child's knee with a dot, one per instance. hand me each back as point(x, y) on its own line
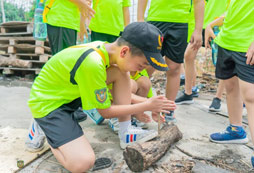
point(248, 99)
point(144, 83)
point(82, 164)
point(230, 86)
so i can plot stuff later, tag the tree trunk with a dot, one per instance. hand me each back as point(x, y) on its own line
point(140, 156)
point(2, 9)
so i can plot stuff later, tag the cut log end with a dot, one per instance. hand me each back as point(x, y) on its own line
point(140, 156)
point(134, 159)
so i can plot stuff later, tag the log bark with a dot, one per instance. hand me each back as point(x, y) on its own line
point(11, 62)
point(140, 156)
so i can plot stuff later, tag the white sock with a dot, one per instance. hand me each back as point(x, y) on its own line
point(123, 126)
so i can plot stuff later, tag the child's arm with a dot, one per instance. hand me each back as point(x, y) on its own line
point(209, 30)
point(126, 15)
point(154, 104)
point(250, 55)
point(137, 99)
point(84, 7)
point(196, 38)
point(141, 10)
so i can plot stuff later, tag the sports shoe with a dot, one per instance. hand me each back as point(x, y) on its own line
point(195, 91)
point(215, 106)
point(114, 124)
point(138, 123)
point(136, 135)
point(170, 117)
point(94, 115)
point(35, 139)
point(182, 79)
point(232, 135)
point(252, 161)
point(184, 99)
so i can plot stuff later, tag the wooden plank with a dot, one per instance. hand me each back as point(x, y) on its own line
point(29, 56)
point(44, 58)
point(23, 40)
point(16, 34)
point(8, 71)
point(35, 70)
point(14, 23)
point(11, 49)
point(12, 148)
point(14, 27)
point(25, 48)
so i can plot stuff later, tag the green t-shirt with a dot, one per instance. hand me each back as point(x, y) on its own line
point(64, 13)
point(213, 9)
point(109, 18)
point(52, 88)
point(169, 11)
point(237, 32)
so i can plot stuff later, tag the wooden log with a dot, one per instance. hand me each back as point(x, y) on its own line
point(5, 61)
point(140, 156)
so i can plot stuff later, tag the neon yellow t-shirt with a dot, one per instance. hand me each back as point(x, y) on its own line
point(63, 13)
point(169, 11)
point(213, 9)
point(52, 88)
point(109, 18)
point(237, 32)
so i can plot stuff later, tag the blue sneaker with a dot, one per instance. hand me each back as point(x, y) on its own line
point(252, 161)
point(195, 91)
point(232, 135)
point(170, 117)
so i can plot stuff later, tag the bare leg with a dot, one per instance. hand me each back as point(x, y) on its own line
point(190, 71)
point(220, 89)
point(173, 79)
point(121, 90)
point(247, 91)
point(144, 85)
point(234, 101)
point(76, 155)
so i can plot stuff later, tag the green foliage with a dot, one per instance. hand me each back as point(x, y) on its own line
point(13, 13)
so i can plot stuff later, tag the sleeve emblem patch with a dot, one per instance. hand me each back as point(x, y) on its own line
point(101, 95)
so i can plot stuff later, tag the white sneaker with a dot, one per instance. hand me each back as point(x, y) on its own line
point(136, 135)
point(36, 138)
point(114, 124)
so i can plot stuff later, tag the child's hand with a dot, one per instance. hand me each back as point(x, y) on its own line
point(143, 117)
point(160, 104)
point(155, 117)
point(208, 35)
point(250, 55)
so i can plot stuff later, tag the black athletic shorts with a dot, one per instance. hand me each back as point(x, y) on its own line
point(175, 39)
point(60, 126)
point(231, 63)
point(60, 38)
point(95, 36)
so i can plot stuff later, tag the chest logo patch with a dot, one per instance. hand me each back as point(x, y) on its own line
point(101, 95)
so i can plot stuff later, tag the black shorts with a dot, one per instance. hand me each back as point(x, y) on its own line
point(203, 38)
point(95, 36)
point(231, 63)
point(60, 126)
point(60, 38)
point(175, 39)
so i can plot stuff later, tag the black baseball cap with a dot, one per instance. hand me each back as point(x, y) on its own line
point(149, 39)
